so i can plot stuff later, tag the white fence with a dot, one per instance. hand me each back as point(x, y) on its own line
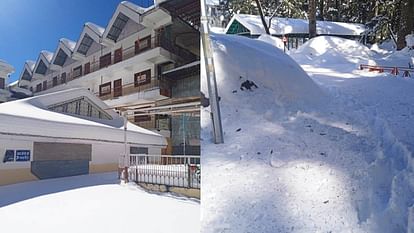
point(170, 170)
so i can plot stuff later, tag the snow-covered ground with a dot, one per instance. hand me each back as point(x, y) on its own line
point(328, 152)
point(93, 203)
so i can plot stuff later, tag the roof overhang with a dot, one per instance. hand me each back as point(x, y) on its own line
point(45, 57)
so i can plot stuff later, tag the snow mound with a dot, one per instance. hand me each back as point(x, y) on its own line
point(409, 39)
point(279, 79)
point(275, 41)
point(332, 50)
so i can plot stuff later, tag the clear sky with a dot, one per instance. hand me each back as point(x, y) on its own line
point(29, 26)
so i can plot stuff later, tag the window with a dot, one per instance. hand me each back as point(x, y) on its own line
point(44, 85)
point(87, 68)
point(142, 44)
point(117, 27)
point(63, 78)
point(26, 76)
point(80, 106)
point(77, 72)
point(118, 88)
point(118, 55)
point(60, 58)
point(141, 118)
point(85, 44)
point(41, 68)
point(39, 87)
point(138, 150)
point(55, 81)
point(2, 83)
point(105, 89)
point(142, 78)
point(105, 60)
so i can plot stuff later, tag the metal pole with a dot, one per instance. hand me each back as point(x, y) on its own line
point(125, 157)
point(211, 77)
point(183, 115)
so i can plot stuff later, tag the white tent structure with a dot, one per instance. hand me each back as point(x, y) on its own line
point(65, 133)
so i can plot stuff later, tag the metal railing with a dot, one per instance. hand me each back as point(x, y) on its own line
point(131, 88)
point(127, 53)
point(171, 170)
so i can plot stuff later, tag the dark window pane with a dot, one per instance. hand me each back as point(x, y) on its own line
point(60, 58)
point(41, 68)
point(85, 44)
point(117, 27)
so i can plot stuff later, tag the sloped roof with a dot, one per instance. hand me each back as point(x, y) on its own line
point(30, 64)
point(282, 26)
point(68, 43)
point(48, 55)
point(97, 29)
point(31, 117)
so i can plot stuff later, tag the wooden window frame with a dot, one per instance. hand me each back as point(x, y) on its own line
point(105, 85)
point(2, 83)
point(118, 89)
point(39, 87)
point(63, 77)
point(44, 85)
point(138, 119)
point(137, 81)
point(105, 60)
point(55, 81)
point(139, 48)
point(118, 55)
point(80, 71)
point(87, 68)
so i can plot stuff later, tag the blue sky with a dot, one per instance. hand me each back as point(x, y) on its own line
point(29, 26)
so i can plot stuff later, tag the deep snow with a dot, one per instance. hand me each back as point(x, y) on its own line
point(93, 203)
point(340, 164)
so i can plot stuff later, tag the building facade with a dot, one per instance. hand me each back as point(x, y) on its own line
point(145, 61)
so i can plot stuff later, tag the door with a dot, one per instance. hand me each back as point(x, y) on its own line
point(118, 88)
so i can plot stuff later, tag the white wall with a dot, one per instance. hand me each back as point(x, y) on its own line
point(12, 144)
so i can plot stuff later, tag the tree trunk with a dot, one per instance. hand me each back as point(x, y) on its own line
point(312, 18)
point(407, 22)
point(259, 7)
point(321, 9)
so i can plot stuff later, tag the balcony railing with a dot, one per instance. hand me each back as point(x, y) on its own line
point(130, 88)
point(118, 56)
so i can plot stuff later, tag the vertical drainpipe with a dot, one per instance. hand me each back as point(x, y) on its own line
point(211, 77)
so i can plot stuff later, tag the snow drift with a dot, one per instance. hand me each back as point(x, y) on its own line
point(324, 50)
point(345, 166)
point(275, 41)
point(280, 79)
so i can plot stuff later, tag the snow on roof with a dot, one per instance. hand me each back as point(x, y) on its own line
point(134, 7)
point(97, 29)
point(13, 83)
point(31, 64)
point(6, 67)
point(48, 55)
point(281, 26)
point(31, 116)
point(213, 2)
point(68, 43)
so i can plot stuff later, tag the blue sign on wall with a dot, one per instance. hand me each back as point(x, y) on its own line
point(8, 156)
point(22, 155)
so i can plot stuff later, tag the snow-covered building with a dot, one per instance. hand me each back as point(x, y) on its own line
point(296, 30)
point(66, 133)
point(5, 71)
point(124, 65)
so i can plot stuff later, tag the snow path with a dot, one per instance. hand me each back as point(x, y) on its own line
point(93, 203)
point(344, 166)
